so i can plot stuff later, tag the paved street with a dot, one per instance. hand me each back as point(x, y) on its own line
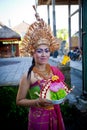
point(11, 70)
point(76, 80)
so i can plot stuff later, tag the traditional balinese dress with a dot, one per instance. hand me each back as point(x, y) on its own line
point(45, 118)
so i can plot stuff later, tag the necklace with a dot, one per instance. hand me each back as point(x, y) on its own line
point(47, 73)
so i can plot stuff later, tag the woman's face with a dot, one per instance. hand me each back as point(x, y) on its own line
point(42, 54)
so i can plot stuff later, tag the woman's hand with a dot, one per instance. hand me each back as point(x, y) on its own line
point(41, 102)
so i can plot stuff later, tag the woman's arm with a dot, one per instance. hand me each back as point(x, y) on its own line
point(23, 89)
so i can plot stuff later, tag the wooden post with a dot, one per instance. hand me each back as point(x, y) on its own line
point(54, 18)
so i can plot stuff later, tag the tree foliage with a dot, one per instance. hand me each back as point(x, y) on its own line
point(62, 34)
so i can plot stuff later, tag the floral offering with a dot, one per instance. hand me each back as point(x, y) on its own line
point(54, 89)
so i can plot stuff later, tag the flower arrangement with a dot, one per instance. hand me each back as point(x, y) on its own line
point(54, 89)
point(58, 89)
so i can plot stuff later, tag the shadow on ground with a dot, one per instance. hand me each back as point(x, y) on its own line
point(4, 63)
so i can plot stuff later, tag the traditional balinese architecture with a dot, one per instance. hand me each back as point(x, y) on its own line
point(9, 42)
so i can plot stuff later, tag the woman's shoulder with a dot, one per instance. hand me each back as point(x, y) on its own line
point(24, 77)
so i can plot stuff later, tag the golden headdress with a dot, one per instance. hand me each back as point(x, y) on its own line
point(38, 33)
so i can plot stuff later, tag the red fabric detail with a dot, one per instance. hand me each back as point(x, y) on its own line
point(57, 71)
point(59, 117)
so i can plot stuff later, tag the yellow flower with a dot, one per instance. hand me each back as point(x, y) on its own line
point(65, 60)
point(55, 77)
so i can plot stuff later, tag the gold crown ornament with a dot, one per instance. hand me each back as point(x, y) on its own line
point(38, 33)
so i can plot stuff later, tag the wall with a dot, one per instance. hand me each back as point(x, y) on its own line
point(9, 50)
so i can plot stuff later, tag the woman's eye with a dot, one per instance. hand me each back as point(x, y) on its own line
point(39, 51)
point(47, 50)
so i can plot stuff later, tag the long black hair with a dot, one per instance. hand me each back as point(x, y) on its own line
point(31, 67)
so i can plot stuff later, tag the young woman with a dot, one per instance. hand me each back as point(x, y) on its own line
point(43, 114)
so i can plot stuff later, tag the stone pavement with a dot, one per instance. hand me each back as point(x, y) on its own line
point(11, 69)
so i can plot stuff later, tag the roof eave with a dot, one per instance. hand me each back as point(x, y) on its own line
point(57, 2)
point(10, 39)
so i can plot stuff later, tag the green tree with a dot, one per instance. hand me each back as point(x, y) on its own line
point(62, 34)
